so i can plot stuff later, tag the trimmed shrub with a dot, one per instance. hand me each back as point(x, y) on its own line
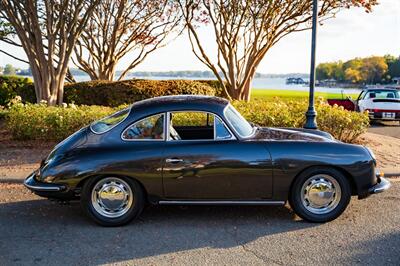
point(3, 112)
point(342, 124)
point(11, 86)
point(215, 84)
point(39, 122)
point(128, 91)
point(108, 93)
point(42, 122)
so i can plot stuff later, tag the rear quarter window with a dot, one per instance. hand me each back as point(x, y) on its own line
point(107, 123)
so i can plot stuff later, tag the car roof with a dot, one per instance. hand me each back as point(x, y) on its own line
point(380, 89)
point(182, 102)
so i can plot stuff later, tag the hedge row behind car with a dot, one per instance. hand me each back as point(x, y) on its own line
point(342, 124)
point(11, 86)
point(40, 122)
point(108, 93)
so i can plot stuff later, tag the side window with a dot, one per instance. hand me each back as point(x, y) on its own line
point(370, 95)
point(221, 132)
point(150, 128)
point(191, 125)
point(109, 122)
point(196, 125)
point(192, 119)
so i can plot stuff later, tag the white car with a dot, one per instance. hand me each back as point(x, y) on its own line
point(381, 104)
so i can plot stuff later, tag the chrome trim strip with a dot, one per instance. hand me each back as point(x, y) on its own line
point(173, 160)
point(221, 202)
point(42, 188)
point(383, 185)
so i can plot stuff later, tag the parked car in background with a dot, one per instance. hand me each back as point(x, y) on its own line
point(198, 150)
point(381, 103)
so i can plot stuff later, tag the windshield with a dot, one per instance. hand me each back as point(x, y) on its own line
point(241, 126)
point(109, 122)
point(382, 94)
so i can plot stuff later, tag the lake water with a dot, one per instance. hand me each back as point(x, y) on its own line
point(258, 83)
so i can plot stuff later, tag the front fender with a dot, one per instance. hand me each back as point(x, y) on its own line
point(290, 158)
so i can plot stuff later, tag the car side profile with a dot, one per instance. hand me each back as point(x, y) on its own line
point(199, 150)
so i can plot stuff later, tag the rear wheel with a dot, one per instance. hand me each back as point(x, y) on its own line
point(112, 201)
point(320, 194)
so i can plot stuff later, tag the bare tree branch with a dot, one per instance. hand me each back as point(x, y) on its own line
point(119, 28)
point(14, 57)
point(245, 30)
point(47, 31)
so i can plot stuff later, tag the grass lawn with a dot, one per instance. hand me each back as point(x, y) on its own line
point(292, 94)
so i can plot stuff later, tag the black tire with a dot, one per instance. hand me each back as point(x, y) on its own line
point(132, 212)
point(295, 196)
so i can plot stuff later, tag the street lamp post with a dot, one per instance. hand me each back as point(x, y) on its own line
point(311, 114)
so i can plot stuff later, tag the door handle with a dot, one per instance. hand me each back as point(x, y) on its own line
point(173, 160)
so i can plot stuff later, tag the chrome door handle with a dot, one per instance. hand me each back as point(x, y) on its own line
point(173, 160)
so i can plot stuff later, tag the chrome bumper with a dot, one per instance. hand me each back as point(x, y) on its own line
point(382, 185)
point(37, 186)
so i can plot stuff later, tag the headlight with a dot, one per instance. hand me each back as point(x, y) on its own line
point(371, 153)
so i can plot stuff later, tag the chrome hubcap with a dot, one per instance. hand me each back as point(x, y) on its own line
point(321, 194)
point(112, 197)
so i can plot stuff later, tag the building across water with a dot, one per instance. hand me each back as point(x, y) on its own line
point(295, 81)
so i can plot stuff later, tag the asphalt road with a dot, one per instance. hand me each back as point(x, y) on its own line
point(391, 129)
point(40, 232)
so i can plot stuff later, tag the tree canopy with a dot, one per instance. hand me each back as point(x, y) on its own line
point(245, 30)
point(368, 70)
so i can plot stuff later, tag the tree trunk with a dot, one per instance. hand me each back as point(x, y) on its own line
point(246, 90)
point(241, 92)
point(107, 72)
point(49, 88)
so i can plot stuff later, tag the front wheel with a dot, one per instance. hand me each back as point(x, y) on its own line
point(320, 194)
point(112, 201)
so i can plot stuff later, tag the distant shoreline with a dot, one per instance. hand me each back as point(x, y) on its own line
point(193, 74)
point(276, 83)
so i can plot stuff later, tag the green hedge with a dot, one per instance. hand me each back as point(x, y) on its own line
point(108, 93)
point(42, 122)
point(128, 91)
point(11, 86)
point(35, 121)
point(342, 124)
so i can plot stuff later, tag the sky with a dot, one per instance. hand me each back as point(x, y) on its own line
point(353, 33)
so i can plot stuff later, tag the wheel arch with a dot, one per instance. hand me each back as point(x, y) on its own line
point(79, 186)
point(348, 176)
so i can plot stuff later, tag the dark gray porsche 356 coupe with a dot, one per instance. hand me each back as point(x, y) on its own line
point(200, 150)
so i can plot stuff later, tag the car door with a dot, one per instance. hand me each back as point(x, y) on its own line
point(218, 168)
point(362, 102)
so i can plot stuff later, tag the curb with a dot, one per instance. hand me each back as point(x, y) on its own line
point(390, 172)
point(12, 180)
